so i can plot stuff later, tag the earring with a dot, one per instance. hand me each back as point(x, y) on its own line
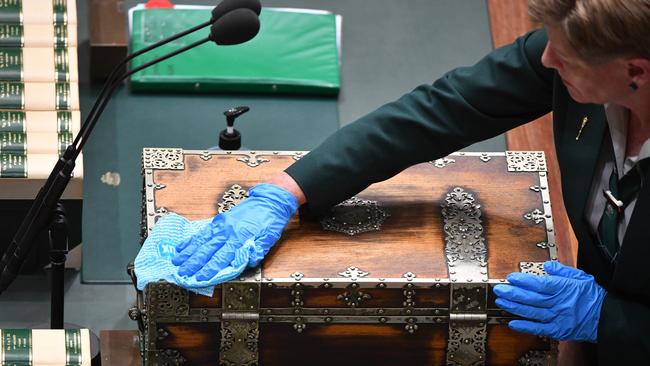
point(634, 86)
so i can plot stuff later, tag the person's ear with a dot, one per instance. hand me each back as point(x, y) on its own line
point(638, 71)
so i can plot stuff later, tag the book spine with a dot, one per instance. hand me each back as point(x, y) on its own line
point(35, 166)
point(34, 12)
point(38, 35)
point(70, 347)
point(35, 143)
point(39, 96)
point(38, 64)
point(14, 166)
point(39, 121)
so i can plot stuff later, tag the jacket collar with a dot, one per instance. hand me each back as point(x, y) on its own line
point(580, 142)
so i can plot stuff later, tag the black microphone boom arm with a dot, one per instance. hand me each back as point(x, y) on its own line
point(241, 21)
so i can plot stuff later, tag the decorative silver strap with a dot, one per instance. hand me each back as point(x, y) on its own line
point(466, 255)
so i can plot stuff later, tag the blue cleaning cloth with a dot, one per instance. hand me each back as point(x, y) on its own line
point(154, 261)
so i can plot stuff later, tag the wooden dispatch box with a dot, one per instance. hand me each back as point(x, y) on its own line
point(401, 274)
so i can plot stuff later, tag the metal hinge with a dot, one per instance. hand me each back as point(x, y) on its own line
point(240, 316)
point(240, 320)
point(467, 324)
point(467, 317)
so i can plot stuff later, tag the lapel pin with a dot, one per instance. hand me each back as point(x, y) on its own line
point(585, 120)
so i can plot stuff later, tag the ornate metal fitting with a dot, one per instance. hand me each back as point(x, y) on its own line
point(465, 247)
point(468, 298)
point(441, 163)
point(135, 314)
point(411, 325)
point(536, 268)
point(240, 320)
point(298, 155)
point(409, 302)
point(537, 216)
point(159, 159)
point(297, 276)
point(409, 276)
point(232, 197)
point(297, 299)
point(548, 218)
point(353, 297)
point(466, 254)
point(169, 357)
point(538, 358)
point(299, 325)
point(206, 155)
point(165, 159)
point(353, 273)
point(467, 341)
point(467, 325)
point(355, 216)
point(526, 161)
point(162, 334)
point(160, 212)
point(167, 300)
point(253, 160)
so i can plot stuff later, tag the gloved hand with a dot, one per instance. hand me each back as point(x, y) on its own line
point(565, 305)
point(239, 237)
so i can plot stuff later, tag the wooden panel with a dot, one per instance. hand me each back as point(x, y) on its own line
point(364, 344)
point(379, 298)
point(352, 345)
point(201, 301)
point(509, 19)
point(505, 346)
point(198, 343)
point(120, 348)
point(410, 240)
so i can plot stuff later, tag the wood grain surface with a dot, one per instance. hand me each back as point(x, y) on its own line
point(411, 239)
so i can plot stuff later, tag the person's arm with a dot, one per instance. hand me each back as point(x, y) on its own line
point(507, 88)
point(284, 181)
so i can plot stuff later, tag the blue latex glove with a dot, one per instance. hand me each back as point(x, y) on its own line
point(565, 305)
point(239, 237)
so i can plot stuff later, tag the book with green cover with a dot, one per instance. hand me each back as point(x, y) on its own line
point(296, 51)
point(38, 11)
point(34, 143)
point(70, 347)
point(39, 121)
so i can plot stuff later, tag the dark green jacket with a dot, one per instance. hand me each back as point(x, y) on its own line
point(507, 88)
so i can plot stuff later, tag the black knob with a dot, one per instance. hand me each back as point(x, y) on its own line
point(230, 138)
point(233, 113)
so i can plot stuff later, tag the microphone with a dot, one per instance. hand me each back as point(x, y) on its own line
point(227, 6)
point(221, 9)
point(234, 24)
point(235, 27)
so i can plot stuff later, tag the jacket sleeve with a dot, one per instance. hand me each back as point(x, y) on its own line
point(506, 88)
point(623, 332)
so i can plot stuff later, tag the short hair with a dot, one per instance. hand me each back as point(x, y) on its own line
point(598, 30)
